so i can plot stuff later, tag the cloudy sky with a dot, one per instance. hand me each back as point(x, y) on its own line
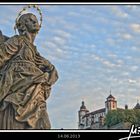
point(95, 48)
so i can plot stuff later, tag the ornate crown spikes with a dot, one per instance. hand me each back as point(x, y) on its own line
point(24, 9)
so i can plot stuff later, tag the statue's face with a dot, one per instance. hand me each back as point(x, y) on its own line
point(28, 22)
point(32, 24)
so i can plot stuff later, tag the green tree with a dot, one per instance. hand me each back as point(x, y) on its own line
point(117, 116)
point(114, 117)
point(137, 114)
point(130, 116)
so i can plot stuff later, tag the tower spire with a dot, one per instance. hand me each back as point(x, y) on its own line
point(137, 101)
point(83, 105)
point(110, 91)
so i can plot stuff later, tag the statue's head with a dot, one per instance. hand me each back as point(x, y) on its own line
point(27, 23)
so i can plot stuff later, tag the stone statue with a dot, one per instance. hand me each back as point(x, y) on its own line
point(25, 78)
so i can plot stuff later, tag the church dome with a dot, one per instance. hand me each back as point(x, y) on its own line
point(137, 106)
point(110, 96)
point(83, 106)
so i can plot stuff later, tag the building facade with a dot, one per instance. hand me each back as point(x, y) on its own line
point(95, 119)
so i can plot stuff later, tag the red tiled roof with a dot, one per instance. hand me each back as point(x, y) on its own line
point(98, 111)
point(102, 110)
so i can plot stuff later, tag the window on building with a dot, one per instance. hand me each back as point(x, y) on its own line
point(113, 105)
point(87, 121)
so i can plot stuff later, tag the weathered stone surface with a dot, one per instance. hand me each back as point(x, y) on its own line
point(25, 79)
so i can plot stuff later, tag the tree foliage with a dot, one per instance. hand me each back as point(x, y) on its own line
point(117, 116)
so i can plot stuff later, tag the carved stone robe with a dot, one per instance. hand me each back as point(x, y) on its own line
point(25, 84)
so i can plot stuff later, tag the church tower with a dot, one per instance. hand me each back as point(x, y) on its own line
point(110, 103)
point(137, 106)
point(82, 112)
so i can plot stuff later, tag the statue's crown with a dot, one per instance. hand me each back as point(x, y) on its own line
point(23, 10)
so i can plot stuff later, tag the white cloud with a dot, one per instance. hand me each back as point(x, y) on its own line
point(134, 48)
point(128, 57)
point(108, 63)
point(62, 33)
point(111, 41)
point(118, 12)
point(125, 73)
point(131, 81)
point(135, 27)
point(58, 40)
point(134, 68)
point(75, 14)
point(127, 36)
point(132, 7)
point(105, 62)
point(120, 62)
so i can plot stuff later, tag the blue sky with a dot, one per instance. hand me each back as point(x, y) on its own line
point(95, 48)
